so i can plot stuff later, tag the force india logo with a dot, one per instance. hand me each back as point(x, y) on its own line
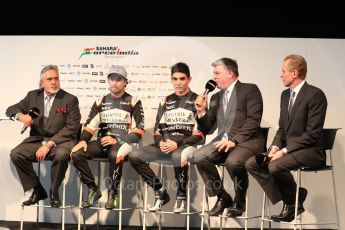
point(108, 51)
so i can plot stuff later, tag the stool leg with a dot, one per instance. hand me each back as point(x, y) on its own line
point(145, 206)
point(63, 203)
point(221, 217)
point(160, 214)
point(334, 192)
point(263, 211)
point(297, 196)
point(21, 219)
point(80, 202)
point(99, 186)
point(120, 206)
point(188, 197)
point(246, 212)
point(39, 178)
point(203, 208)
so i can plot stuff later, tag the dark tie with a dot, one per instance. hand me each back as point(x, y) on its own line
point(291, 101)
point(47, 108)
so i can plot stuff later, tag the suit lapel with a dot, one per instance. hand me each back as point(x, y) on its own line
point(40, 106)
point(231, 109)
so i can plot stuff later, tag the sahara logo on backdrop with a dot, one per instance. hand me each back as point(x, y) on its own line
point(107, 51)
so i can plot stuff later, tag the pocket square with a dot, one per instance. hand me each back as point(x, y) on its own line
point(61, 109)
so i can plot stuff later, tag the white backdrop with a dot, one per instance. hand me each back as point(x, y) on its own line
point(148, 60)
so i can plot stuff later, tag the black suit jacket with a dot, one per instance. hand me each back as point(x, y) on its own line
point(303, 129)
point(63, 121)
point(242, 118)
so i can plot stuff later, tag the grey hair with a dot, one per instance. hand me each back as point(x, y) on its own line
point(47, 68)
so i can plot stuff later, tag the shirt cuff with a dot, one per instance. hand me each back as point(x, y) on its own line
point(285, 150)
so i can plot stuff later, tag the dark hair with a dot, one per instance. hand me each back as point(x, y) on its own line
point(181, 68)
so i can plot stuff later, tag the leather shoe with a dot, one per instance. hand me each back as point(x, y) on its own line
point(38, 194)
point(288, 212)
point(220, 206)
point(236, 210)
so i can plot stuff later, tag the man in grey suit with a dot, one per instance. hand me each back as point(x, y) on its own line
point(53, 134)
point(236, 111)
point(298, 141)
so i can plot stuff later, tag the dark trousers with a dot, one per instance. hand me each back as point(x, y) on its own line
point(95, 150)
point(276, 179)
point(234, 162)
point(24, 154)
point(152, 153)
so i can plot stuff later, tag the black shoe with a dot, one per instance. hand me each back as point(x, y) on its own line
point(38, 194)
point(288, 213)
point(236, 209)
point(54, 200)
point(161, 198)
point(220, 206)
point(302, 196)
point(92, 197)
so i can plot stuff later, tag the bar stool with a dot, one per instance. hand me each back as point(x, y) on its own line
point(188, 212)
point(120, 208)
point(246, 217)
point(63, 206)
point(328, 138)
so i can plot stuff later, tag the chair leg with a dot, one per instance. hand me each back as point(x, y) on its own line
point(246, 212)
point(221, 215)
point(21, 219)
point(39, 178)
point(145, 206)
point(80, 202)
point(188, 197)
point(296, 198)
point(63, 204)
point(335, 195)
point(120, 206)
point(263, 211)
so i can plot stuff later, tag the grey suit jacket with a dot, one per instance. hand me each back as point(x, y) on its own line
point(64, 118)
point(242, 118)
point(303, 129)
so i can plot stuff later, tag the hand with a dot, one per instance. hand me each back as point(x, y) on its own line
point(42, 152)
point(168, 146)
point(81, 144)
point(200, 104)
point(26, 119)
point(224, 145)
point(273, 150)
point(277, 155)
point(108, 140)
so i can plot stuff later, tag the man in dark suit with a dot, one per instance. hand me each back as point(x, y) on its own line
point(53, 134)
point(297, 142)
point(236, 111)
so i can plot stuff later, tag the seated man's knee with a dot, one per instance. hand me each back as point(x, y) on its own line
point(14, 155)
point(250, 164)
point(76, 155)
point(276, 169)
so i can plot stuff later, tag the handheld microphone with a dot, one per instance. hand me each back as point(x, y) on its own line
point(209, 87)
point(33, 113)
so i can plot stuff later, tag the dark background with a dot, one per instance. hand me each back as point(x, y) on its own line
point(223, 19)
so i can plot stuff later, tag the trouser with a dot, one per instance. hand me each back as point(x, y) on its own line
point(152, 153)
point(23, 155)
point(95, 150)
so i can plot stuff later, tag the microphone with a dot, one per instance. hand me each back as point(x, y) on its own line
point(33, 113)
point(209, 87)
